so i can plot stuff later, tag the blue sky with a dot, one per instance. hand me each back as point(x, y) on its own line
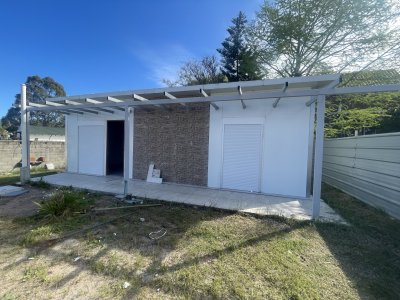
point(95, 46)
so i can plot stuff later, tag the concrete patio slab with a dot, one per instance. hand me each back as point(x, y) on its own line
point(11, 191)
point(225, 199)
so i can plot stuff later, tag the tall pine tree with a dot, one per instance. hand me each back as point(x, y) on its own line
point(239, 63)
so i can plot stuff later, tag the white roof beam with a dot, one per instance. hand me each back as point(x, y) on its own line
point(72, 102)
point(89, 111)
point(118, 108)
point(63, 112)
point(170, 96)
point(285, 86)
point(334, 83)
point(54, 103)
point(246, 96)
point(229, 85)
point(140, 98)
point(112, 99)
point(115, 100)
point(89, 100)
point(42, 105)
point(36, 104)
point(203, 92)
point(143, 99)
point(72, 111)
point(241, 93)
point(103, 110)
point(33, 104)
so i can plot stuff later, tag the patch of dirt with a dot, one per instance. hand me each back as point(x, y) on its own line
point(22, 205)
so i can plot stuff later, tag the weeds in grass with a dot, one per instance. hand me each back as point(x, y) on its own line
point(64, 203)
point(37, 272)
point(38, 234)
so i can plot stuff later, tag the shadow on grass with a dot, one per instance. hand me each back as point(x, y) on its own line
point(369, 249)
point(129, 235)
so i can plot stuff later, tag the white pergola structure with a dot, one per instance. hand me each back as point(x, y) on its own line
point(315, 87)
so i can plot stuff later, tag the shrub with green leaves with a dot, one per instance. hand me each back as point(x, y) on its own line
point(63, 203)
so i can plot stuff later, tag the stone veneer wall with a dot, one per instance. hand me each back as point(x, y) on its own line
point(10, 153)
point(175, 141)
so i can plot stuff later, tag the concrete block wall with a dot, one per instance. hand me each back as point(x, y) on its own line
point(176, 141)
point(10, 153)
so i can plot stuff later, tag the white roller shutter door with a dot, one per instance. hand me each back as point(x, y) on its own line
point(242, 151)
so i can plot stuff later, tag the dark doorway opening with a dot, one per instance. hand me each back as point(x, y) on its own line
point(115, 148)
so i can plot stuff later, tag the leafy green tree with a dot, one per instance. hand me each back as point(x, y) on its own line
point(4, 135)
point(11, 120)
point(196, 72)
point(305, 37)
point(37, 90)
point(366, 113)
point(239, 62)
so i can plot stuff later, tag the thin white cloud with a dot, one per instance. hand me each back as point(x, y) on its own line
point(163, 63)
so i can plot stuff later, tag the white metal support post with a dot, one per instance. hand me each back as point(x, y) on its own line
point(128, 111)
point(131, 140)
point(311, 141)
point(318, 156)
point(25, 166)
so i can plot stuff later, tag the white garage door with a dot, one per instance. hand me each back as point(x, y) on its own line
point(242, 150)
point(91, 145)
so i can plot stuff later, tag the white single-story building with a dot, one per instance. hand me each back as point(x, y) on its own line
point(255, 136)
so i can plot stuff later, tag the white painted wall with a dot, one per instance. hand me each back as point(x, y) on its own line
point(286, 135)
point(74, 121)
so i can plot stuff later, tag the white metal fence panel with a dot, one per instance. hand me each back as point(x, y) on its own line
point(366, 167)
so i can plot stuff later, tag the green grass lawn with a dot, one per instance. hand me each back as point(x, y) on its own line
point(206, 253)
point(14, 177)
